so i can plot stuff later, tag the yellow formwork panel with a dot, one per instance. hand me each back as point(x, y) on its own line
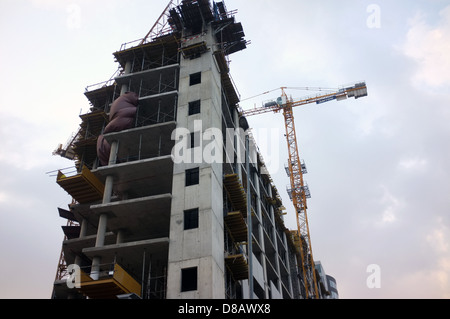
point(108, 288)
point(125, 280)
point(238, 266)
point(236, 193)
point(235, 223)
point(84, 187)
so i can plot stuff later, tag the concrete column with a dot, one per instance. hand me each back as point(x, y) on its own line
point(83, 229)
point(101, 230)
point(249, 221)
point(95, 268)
point(108, 189)
point(238, 146)
point(103, 219)
point(263, 260)
point(77, 260)
point(127, 70)
point(113, 153)
point(120, 235)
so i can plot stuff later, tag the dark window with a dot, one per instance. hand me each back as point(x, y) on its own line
point(191, 219)
point(194, 107)
point(189, 279)
point(194, 140)
point(195, 78)
point(192, 176)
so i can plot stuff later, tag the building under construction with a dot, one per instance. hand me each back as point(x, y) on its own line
point(171, 198)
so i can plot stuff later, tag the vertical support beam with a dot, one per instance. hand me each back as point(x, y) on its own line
point(127, 70)
point(101, 230)
point(237, 146)
point(108, 189)
point(159, 111)
point(143, 275)
point(103, 219)
point(95, 268)
point(140, 146)
point(120, 235)
point(83, 229)
point(249, 219)
point(113, 153)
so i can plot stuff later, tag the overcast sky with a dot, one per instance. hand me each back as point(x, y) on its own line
point(377, 166)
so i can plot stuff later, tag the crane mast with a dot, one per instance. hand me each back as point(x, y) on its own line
point(298, 189)
point(299, 200)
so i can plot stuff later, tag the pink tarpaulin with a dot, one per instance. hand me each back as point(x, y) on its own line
point(121, 117)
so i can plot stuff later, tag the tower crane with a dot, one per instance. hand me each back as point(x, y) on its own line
point(299, 193)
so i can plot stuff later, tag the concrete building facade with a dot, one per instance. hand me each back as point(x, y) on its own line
point(166, 215)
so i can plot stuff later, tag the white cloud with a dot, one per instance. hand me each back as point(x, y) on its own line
point(413, 163)
point(49, 3)
point(392, 206)
point(439, 238)
point(429, 46)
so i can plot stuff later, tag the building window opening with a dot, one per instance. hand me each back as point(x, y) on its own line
point(188, 279)
point(192, 176)
point(191, 219)
point(195, 78)
point(194, 107)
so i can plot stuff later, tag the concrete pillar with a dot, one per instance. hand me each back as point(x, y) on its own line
point(108, 189)
point(83, 229)
point(120, 235)
point(127, 70)
point(237, 146)
point(100, 241)
point(101, 230)
point(249, 221)
point(77, 260)
point(103, 219)
point(95, 268)
point(113, 153)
